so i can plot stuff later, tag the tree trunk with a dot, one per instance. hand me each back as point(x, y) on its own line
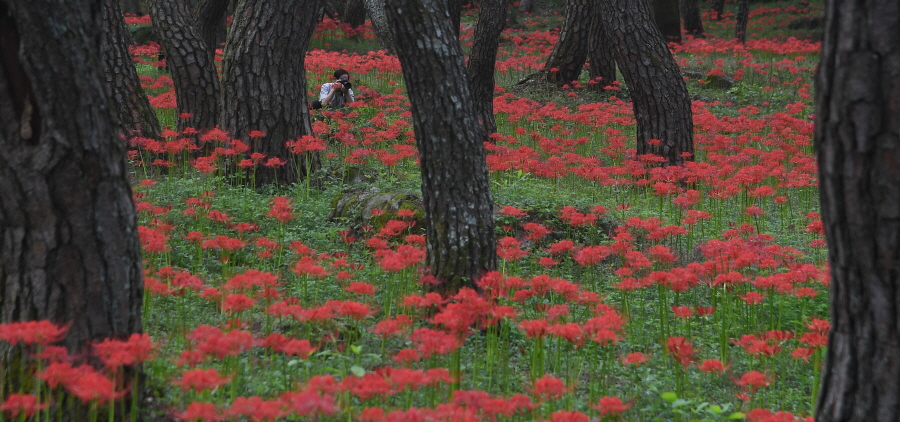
point(526, 6)
point(659, 95)
point(264, 81)
point(135, 115)
point(132, 6)
point(568, 56)
point(190, 61)
point(459, 221)
point(209, 19)
point(482, 60)
point(690, 12)
point(743, 15)
point(718, 8)
point(455, 15)
point(667, 15)
point(375, 10)
point(857, 137)
point(600, 52)
point(354, 13)
point(69, 249)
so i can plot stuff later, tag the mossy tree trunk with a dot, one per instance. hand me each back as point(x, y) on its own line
point(376, 12)
point(264, 82)
point(857, 138)
point(459, 222)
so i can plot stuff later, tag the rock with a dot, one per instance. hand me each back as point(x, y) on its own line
point(355, 207)
point(718, 82)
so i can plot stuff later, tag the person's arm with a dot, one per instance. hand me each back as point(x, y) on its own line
point(326, 100)
point(350, 96)
point(325, 91)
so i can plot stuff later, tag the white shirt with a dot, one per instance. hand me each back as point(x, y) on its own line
point(326, 89)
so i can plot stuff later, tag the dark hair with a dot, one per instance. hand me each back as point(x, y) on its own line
point(339, 72)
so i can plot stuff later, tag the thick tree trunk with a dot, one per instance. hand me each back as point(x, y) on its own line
point(690, 12)
point(375, 10)
point(667, 15)
point(455, 15)
point(857, 138)
point(743, 15)
point(459, 222)
point(482, 60)
point(69, 249)
point(602, 67)
point(132, 6)
point(717, 8)
point(659, 95)
point(264, 81)
point(354, 13)
point(209, 19)
point(526, 6)
point(190, 61)
point(135, 115)
point(567, 59)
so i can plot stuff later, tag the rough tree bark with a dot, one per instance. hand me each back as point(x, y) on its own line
point(190, 61)
point(602, 69)
point(690, 12)
point(69, 249)
point(354, 13)
point(743, 15)
point(132, 6)
point(264, 81)
point(375, 10)
point(659, 95)
point(209, 19)
point(135, 115)
point(571, 48)
point(459, 222)
point(667, 15)
point(483, 58)
point(455, 15)
point(857, 137)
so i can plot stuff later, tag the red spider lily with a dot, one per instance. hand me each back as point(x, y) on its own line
point(571, 332)
point(682, 351)
point(307, 267)
point(534, 328)
point(237, 303)
point(634, 358)
point(365, 289)
point(201, 379)
point(201, 412)
point(115, 353)
point(591, 255)
point(612, 406)
point(281, 209)
point(22, 405)
point(257, 409)
point(549, 387)
point(308, 403)
point(306, 143)
point(682, 311)
point(90, 386)
point(712, 366)
point(41, 333)
point(429, 342)
point(561, 247)
point(294, 347)
point(536, 231)
point(392, 326)
point(513, 212)
point(508, 248)
point(754, 380)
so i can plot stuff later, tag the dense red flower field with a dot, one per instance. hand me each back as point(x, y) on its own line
point(626, 291)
